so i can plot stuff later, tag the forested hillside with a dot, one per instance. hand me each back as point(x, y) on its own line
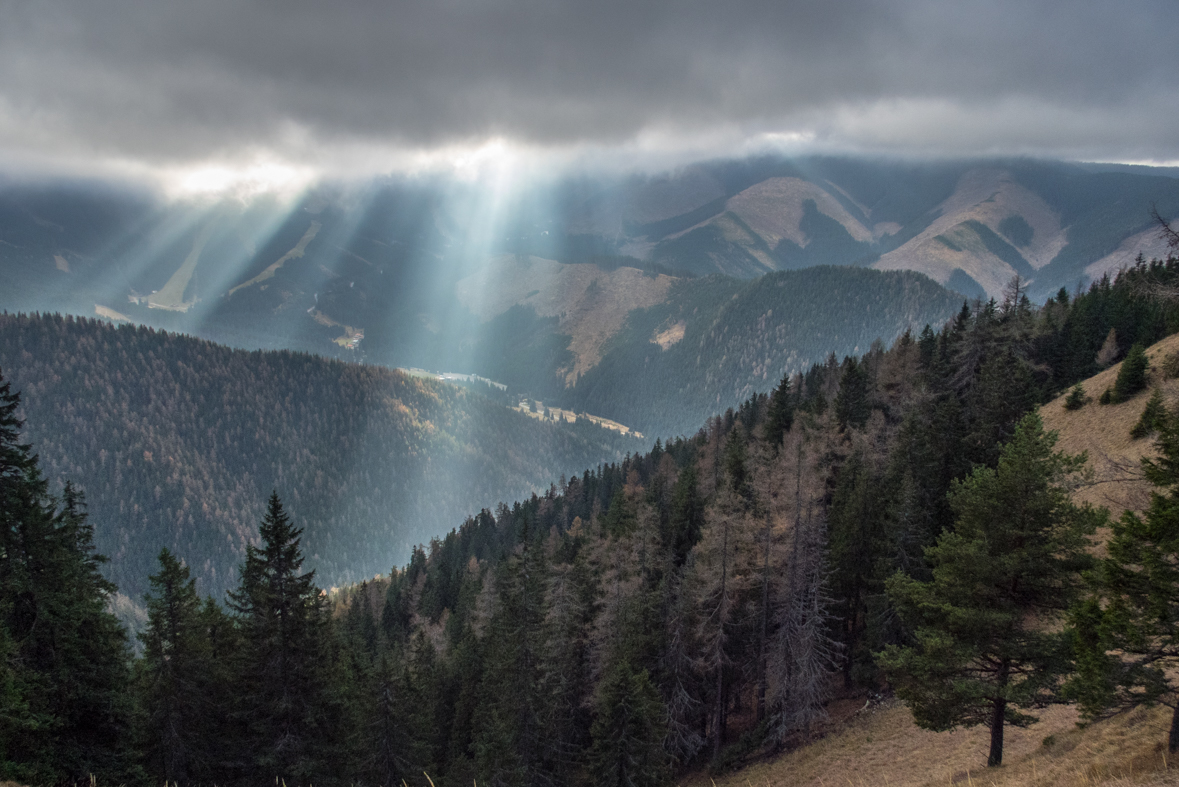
point(716, 341)
point(701, 602)
point(177, 442)
point(897, 520)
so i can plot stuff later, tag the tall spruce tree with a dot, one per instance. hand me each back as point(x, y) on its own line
point(852, 405)
point(984, 640)
point(780, 414)
point(66, 712)
point(281, 679)
point(628, 730)
point(174, 677)
point(686, 520)
point(509, 741)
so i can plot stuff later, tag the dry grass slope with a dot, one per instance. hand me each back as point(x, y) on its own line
point(1104, 432)
point(987, 196)
point(883, 746)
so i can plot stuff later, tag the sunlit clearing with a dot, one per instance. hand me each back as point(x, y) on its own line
point(242, 182)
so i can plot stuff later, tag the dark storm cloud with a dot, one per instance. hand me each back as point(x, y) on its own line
point(163, 82)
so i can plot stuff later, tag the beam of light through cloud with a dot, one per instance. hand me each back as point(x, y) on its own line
point(181, 89)
point(242, 182)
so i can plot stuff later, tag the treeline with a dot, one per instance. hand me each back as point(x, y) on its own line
point(893, 519)
point(177, 442)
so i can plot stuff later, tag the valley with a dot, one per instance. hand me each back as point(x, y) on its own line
point(675, 517)
point(517, 394)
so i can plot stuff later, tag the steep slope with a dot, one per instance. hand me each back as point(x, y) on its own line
point(177, 442)
point(1103, 431)
point(978, 230)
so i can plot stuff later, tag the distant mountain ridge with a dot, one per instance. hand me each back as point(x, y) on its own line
point(1054, 224)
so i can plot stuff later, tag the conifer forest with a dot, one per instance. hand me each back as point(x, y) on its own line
point(900, 521)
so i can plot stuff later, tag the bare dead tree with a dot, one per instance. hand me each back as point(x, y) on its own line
point(804, 655)
point(685, 711)
point(1166, 231)
point(1170, 235)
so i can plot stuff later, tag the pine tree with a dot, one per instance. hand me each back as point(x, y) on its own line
point(984, 641)
point(507, 740)
point(1127, 630)
point(686, 520)
point(857, 531)
point(281, 678)
point(566, 681)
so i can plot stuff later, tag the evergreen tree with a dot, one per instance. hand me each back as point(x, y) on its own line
point(856, 523)
point(173, 678)
point(567, 683)
point(508, 740)
point(620, 518)
point(65, 712)
point(1127, 631)
point(1132, 375)
point(852, 406)
point(1153, 416)
point(780, 415)
point(984, 644)
point(628, 730)
point(281, 679)
point(687, 515)
point(1076, 398)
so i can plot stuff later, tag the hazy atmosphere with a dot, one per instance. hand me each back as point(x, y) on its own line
point(537, 393)
point(289, 91)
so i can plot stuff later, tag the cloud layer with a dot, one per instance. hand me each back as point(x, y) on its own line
point(362, 84)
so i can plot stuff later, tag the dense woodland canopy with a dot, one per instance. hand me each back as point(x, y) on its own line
point(695, 604)
point(178, 441)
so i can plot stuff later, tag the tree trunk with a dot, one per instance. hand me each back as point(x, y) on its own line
point(997, 716)
point(1173, 738)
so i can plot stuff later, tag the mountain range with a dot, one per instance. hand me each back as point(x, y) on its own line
point(558, 288)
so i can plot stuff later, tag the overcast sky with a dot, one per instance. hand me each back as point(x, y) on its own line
point(356, 85)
